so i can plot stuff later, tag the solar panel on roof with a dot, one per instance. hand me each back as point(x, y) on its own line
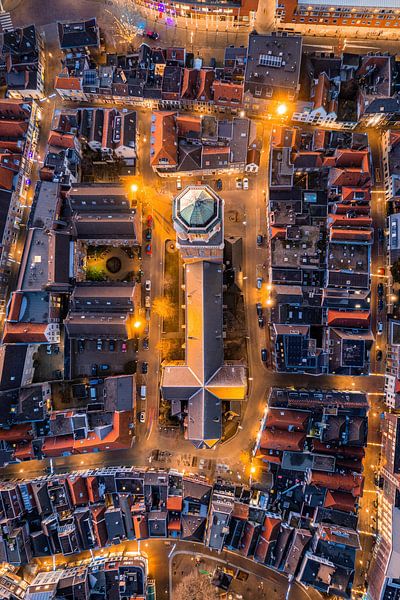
point(269, 60)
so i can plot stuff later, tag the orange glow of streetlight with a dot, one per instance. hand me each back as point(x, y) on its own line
point(134, 188)
point(252, 469)
point(281, 109)
point(137, 324)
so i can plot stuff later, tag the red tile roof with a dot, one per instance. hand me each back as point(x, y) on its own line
point(339, 501)
point(174, 503)
point(6, 178)
point(57, 445)
point(355, 318)
point(12, 128)
point(24, 451)
point(15, 333)
point(93, 489)
point(174, 524)
point(68, 83)
point(186, 124)
point(78, 490)
point(61, 140)
point(284, 418)
point(336, 481)
point(227, 93)
point(351, 234)
point(164, 142)
point(282, 440)
point(17, 433)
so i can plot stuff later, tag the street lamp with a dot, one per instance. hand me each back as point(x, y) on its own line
point(137, 324)
point(134, 188)
point(281, 109)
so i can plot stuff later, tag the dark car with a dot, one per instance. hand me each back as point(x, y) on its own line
point(260, 240)
point(145, 343)
point(81, 345)
point(379, 355)
point(259, 309)
point(213, 63)
point(93, 370)
point(381, 235)
point(148, 250)
point(261, 321)
point(104, 367)
point(219, 184)
point(380, 304)
point(264, 354)
point(145, 367)
point(380, 289)
point(111, 345)
point(152, 35)
point(148, 234)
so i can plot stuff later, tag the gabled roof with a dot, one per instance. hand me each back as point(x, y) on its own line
point(164, 139)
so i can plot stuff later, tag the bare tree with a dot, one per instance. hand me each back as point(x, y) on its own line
point(164, 307)
point(195, 587)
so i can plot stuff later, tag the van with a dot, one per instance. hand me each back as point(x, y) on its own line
point(143, 390)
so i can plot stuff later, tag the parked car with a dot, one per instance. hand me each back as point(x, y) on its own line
point(219, 184)
point(56, 349)
point(142, 417)
point(380, 289)
point(261, 322)
point(379, 355)
point(239, 183)
point(111, 345)
point(145, 343)
point(264, 354)
point(152, 35)
point(149, 221)
point(104, 367)
point(260, 239)
point(259, 283)
point(81, 345)
point(123, 347)
point(259, 309)
point(143, 392)
point(49, 349)
point(145, 367)
point(179, 183)
point(381, 270)
point(148, 250)
point(381, 234)
point(93, 370)
point(245, 183)
point(148, 234)
point(380, 304)
point(147, 285)
point(95, 381)
point(147, 302)
point(213, 62)
point(99, 344)
point(379, 328)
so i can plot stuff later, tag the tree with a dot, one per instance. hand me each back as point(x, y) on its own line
point(164, 307)
point(95, 274)
point(395, 270)
point(195, 587)
point(168, 348)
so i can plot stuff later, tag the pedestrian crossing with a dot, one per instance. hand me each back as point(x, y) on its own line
point(6, 22)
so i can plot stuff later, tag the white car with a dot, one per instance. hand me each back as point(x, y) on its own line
point(147, 285)
point(179, 183)
point(379, 329)
point(245, 183)
point(142, 417)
